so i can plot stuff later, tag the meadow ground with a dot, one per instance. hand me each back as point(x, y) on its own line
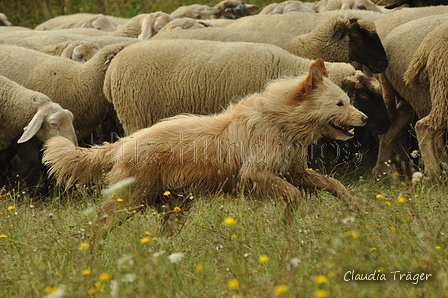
point(231, 247)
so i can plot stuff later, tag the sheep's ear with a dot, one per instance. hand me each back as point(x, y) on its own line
point(252, 8)
point(339, 32)
point(316, 73)
point(34, 126)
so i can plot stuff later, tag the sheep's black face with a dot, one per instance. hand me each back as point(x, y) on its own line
point(416, 3)
point(235, 12)
point(366, 48)
point(365, 94)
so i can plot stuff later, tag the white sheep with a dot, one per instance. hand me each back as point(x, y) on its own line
point(99, 22)
point(291, 6)
point(194, 11)
point(428, 71)
point(400, 45)
point(79, 50)
point(336, 39)
point(142, 26)
point(397, 17)
point(27, 113)
point(66, 20)
point(299, 24)
point(4, 20)
point(75, 86)
point(226, 9)
point(327, 5)
point(160, 78)
point(184, 23)
point(59, 43)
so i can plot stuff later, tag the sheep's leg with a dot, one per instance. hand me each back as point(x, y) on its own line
point(426, 136)
point(312, 181)
point(387, 140)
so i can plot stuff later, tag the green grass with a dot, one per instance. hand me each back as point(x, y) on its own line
point(46, 246)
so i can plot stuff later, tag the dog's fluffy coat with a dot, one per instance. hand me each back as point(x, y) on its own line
point(258, 145)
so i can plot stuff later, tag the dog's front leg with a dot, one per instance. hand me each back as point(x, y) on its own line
point(312, 181)
point(262, 182)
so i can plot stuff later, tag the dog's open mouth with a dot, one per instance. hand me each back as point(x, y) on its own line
point(347, 130)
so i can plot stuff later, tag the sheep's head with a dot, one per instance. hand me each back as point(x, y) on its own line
point(232, 9)
point(416, 3)
point(50, 120)
point(365, 46)
point(366, 95)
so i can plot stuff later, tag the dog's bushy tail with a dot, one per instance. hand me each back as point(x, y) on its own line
point(74, 164)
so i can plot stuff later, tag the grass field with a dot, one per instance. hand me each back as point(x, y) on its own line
point(231, 247)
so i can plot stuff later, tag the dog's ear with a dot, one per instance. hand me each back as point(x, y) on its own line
point(316, 74)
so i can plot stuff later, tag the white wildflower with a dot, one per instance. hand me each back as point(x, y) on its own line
point(348, 219)
point(295, 262)
point(416, 177)
point(414, 154)
point(118, 187)
point(175, 257)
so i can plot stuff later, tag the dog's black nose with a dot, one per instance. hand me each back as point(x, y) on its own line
point(364, 118)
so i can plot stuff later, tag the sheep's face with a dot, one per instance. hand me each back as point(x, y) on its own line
point(366, 48)
point(366, 95)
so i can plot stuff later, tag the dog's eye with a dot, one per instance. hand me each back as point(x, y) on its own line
point(340, 104)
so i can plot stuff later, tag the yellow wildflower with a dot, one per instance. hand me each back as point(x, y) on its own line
point(280, 289)
point(263, 259)
point(393, 229)
point(11, 207)
point(379, 196)
point(83, 245)
point(86, 272)
point(167, 193)
point(119, 200)
point(199, 268)
point(144, 240)
point(3, 236)
point(438, 247)
point(351, 234)
point(154, 238)
point(320, 293)
point(50, 290)
point(147, 233)
point(92, 291)
point(229, 221)
point(233, 237)
point(388, 203)
point(104, 277)
point(321, 279)
point(401, 200)
point(176, 209)
point(233, 284)
point(159, 216)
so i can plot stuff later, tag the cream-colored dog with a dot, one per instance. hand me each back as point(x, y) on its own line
point(258, 145)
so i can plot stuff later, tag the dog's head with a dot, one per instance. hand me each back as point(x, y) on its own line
point(324, 105)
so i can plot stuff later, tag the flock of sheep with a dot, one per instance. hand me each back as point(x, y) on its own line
point(75, 73)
